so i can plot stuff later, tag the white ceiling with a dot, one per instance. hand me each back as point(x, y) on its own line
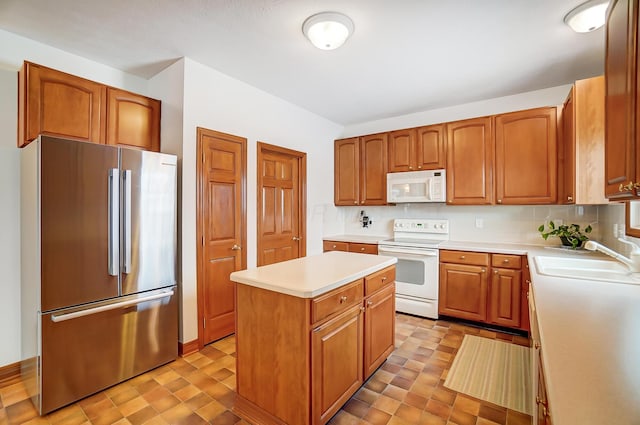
point(404, 56)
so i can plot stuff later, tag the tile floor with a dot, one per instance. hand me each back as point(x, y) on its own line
point(407, 390)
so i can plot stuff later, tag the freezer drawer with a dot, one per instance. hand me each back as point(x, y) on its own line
point(85, 351)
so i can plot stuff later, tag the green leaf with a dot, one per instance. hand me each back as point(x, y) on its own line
point(541, 228)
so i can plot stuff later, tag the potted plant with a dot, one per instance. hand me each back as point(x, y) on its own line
point(570, 234)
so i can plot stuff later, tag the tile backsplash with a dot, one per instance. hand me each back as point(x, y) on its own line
point(504, 223)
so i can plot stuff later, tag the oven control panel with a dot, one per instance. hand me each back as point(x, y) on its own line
point(419, 225)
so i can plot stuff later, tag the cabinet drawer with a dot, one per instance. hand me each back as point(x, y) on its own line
point(377, 280)
point(334, 246)
point(506, 261)
point(464, 257)
point(336, 300)
point(363, 248)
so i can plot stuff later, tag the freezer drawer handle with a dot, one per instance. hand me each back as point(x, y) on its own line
point(114, 220)
point(90, 311)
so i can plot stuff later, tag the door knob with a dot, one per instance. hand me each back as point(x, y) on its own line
point(296, 238)
point(236, 247)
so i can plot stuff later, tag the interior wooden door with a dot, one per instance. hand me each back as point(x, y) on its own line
point(221, 204)
point(281, 204)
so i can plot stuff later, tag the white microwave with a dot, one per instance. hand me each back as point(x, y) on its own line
point(417, 186)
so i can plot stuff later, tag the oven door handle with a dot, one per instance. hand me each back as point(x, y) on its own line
point(418, 253)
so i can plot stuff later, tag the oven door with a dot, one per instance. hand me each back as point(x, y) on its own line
point(416, 271)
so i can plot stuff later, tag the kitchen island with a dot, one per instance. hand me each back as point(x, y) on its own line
point(309, 332)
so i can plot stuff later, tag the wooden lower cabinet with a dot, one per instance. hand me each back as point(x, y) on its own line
point(463, 291)
point(300, 359)
point(363, 248)
point(483, 287)
point(336, 362)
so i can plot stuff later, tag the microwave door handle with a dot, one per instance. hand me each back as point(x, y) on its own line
point(429, 188)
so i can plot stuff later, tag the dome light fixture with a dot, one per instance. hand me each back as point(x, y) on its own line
point(587, 17)
point(328, 30)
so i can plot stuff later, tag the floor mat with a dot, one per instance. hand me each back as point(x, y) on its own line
point(494, 371)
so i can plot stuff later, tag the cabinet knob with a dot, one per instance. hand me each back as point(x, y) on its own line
point(334, 246)
point(462, 257)
point(355, 202)
point(536, 345)
point(419, 166)
point(499, 201)
point(362, 308)
point(495, 272)
point(343, 299)
point(369, 303)
point(627, 187)
point(506, 260)
point(384, 278)
point(570, 198)
point(296, 238)
point(483, 270)
point(362, 249)
point(410, 167)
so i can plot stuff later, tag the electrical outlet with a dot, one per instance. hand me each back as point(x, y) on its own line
point(479, 223)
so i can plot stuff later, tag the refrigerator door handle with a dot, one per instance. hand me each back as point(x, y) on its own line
point(68, 316)
point(114, 220)
point(127, 220)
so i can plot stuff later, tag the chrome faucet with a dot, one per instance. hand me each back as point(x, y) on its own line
point(633, 261)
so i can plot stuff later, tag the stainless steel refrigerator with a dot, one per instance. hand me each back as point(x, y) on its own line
point(99, 298)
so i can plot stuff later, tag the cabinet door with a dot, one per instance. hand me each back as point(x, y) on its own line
point(379, 328)
point(430, 147)
point(336, 363)
point(470, 151)
point(463, 291)
point(567, 180)
point(346, 172)
point(620, 78)
point(58, 104)
point(526, 157)
point(504, 297)
point(133, 120)
point(402, 150)
point(373, 169)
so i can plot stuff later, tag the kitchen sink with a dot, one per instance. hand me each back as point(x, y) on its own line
point(585, 268)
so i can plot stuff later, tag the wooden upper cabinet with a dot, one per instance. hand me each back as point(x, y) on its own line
point(402, 150)
point(620, 98)
point(347, 171)
point(430, 147)
point(526, 157)
point(133, 120)
point(581, 162)
point(417, 149)
point(470, 152)
point(58, 104)
point(373, 171)
point(63, 105)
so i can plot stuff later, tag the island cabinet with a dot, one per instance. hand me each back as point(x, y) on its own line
point(526, 157)
point(300, 359)
point(470, 153)
point(360, 170)
point(483, 287)
point(64, 105)
point(622, 177)
point(417, 149)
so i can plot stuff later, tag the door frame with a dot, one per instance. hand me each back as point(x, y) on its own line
point(261, 148)
point(200, 219)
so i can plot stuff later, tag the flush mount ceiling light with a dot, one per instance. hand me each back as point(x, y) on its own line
point(588, 16)
point(328, 30)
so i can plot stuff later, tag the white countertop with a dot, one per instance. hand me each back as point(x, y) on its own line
point(590, 336)
point(372, 239)
point(308, 277)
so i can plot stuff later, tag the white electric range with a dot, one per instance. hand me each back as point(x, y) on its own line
point(415, 244)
